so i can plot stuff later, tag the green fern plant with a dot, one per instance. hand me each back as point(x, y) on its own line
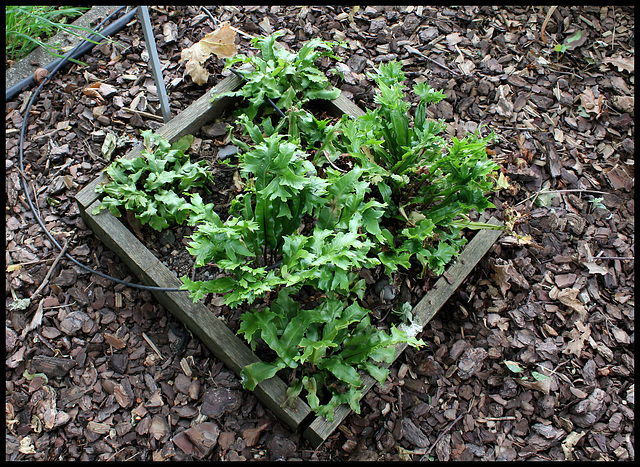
point(303, 224)
point(153, 186)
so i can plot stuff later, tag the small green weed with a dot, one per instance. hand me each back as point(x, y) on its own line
point(567, 44)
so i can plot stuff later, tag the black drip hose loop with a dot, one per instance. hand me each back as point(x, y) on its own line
point(82, 48)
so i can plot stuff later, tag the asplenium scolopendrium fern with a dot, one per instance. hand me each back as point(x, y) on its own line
point(285, 77)
point(153, 186)
point(428, 186)
point(325, 346)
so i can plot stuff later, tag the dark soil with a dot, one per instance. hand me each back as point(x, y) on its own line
point(533, 356)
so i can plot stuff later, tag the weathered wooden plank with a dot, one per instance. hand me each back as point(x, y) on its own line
point(344, 105)
point(214, 333)
point(186, 122)
point(423, 312)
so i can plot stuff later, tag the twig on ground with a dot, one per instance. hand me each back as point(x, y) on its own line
point(413, 50)
point(152, 345)
point(544, 192)
point(495, 419)
point(46, 279)
point(446, 430)
point(145, 114)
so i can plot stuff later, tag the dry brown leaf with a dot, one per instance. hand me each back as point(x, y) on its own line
point(543, 386)
point(170, 31)
point(220, 42)
point(579, 335)
point(251, 435)
point(590, 103)
point(505, 274)
point(92, 91)
point(621, 63)
point(26, 446)
point(237, 181)
point(569, 298)
point(114, 341)
point(569, 443)
point(501, 277)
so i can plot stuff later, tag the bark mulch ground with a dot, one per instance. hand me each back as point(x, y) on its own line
point(533, 356)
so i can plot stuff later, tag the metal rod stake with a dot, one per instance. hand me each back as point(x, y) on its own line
point(156, 68)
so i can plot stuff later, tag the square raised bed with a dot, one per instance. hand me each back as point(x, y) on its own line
point(213, 332)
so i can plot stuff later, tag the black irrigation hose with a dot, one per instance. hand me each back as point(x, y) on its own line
point(273, 104)
point(80, 49)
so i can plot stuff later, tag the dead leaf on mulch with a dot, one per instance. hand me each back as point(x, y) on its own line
point(219, 42)
point(114, 341)
point(505, 274)
point(26, 446)
point(251, 435)
point(99, 91)
point(568, 297)
point(569, 443)
point(621, 63)
point(543, 385)
point(590, 103)
point(578, 335)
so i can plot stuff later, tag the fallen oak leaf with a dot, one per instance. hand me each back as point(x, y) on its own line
point(578, 335)
point(621, 63)
point(220, 42)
